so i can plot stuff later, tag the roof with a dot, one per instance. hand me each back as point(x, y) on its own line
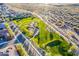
point(2, 25)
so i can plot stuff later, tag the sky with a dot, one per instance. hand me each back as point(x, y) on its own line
point(39, 1)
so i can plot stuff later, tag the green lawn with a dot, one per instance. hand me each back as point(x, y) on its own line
point(51, 42)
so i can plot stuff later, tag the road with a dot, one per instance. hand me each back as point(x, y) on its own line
point(27, 40)
point(32, 48)
point(54, 27)
point(73, 35)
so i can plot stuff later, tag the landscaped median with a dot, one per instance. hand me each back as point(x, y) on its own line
point(9, 30)
point(21, 50)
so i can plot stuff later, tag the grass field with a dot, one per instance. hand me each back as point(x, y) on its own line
point(50, 42)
